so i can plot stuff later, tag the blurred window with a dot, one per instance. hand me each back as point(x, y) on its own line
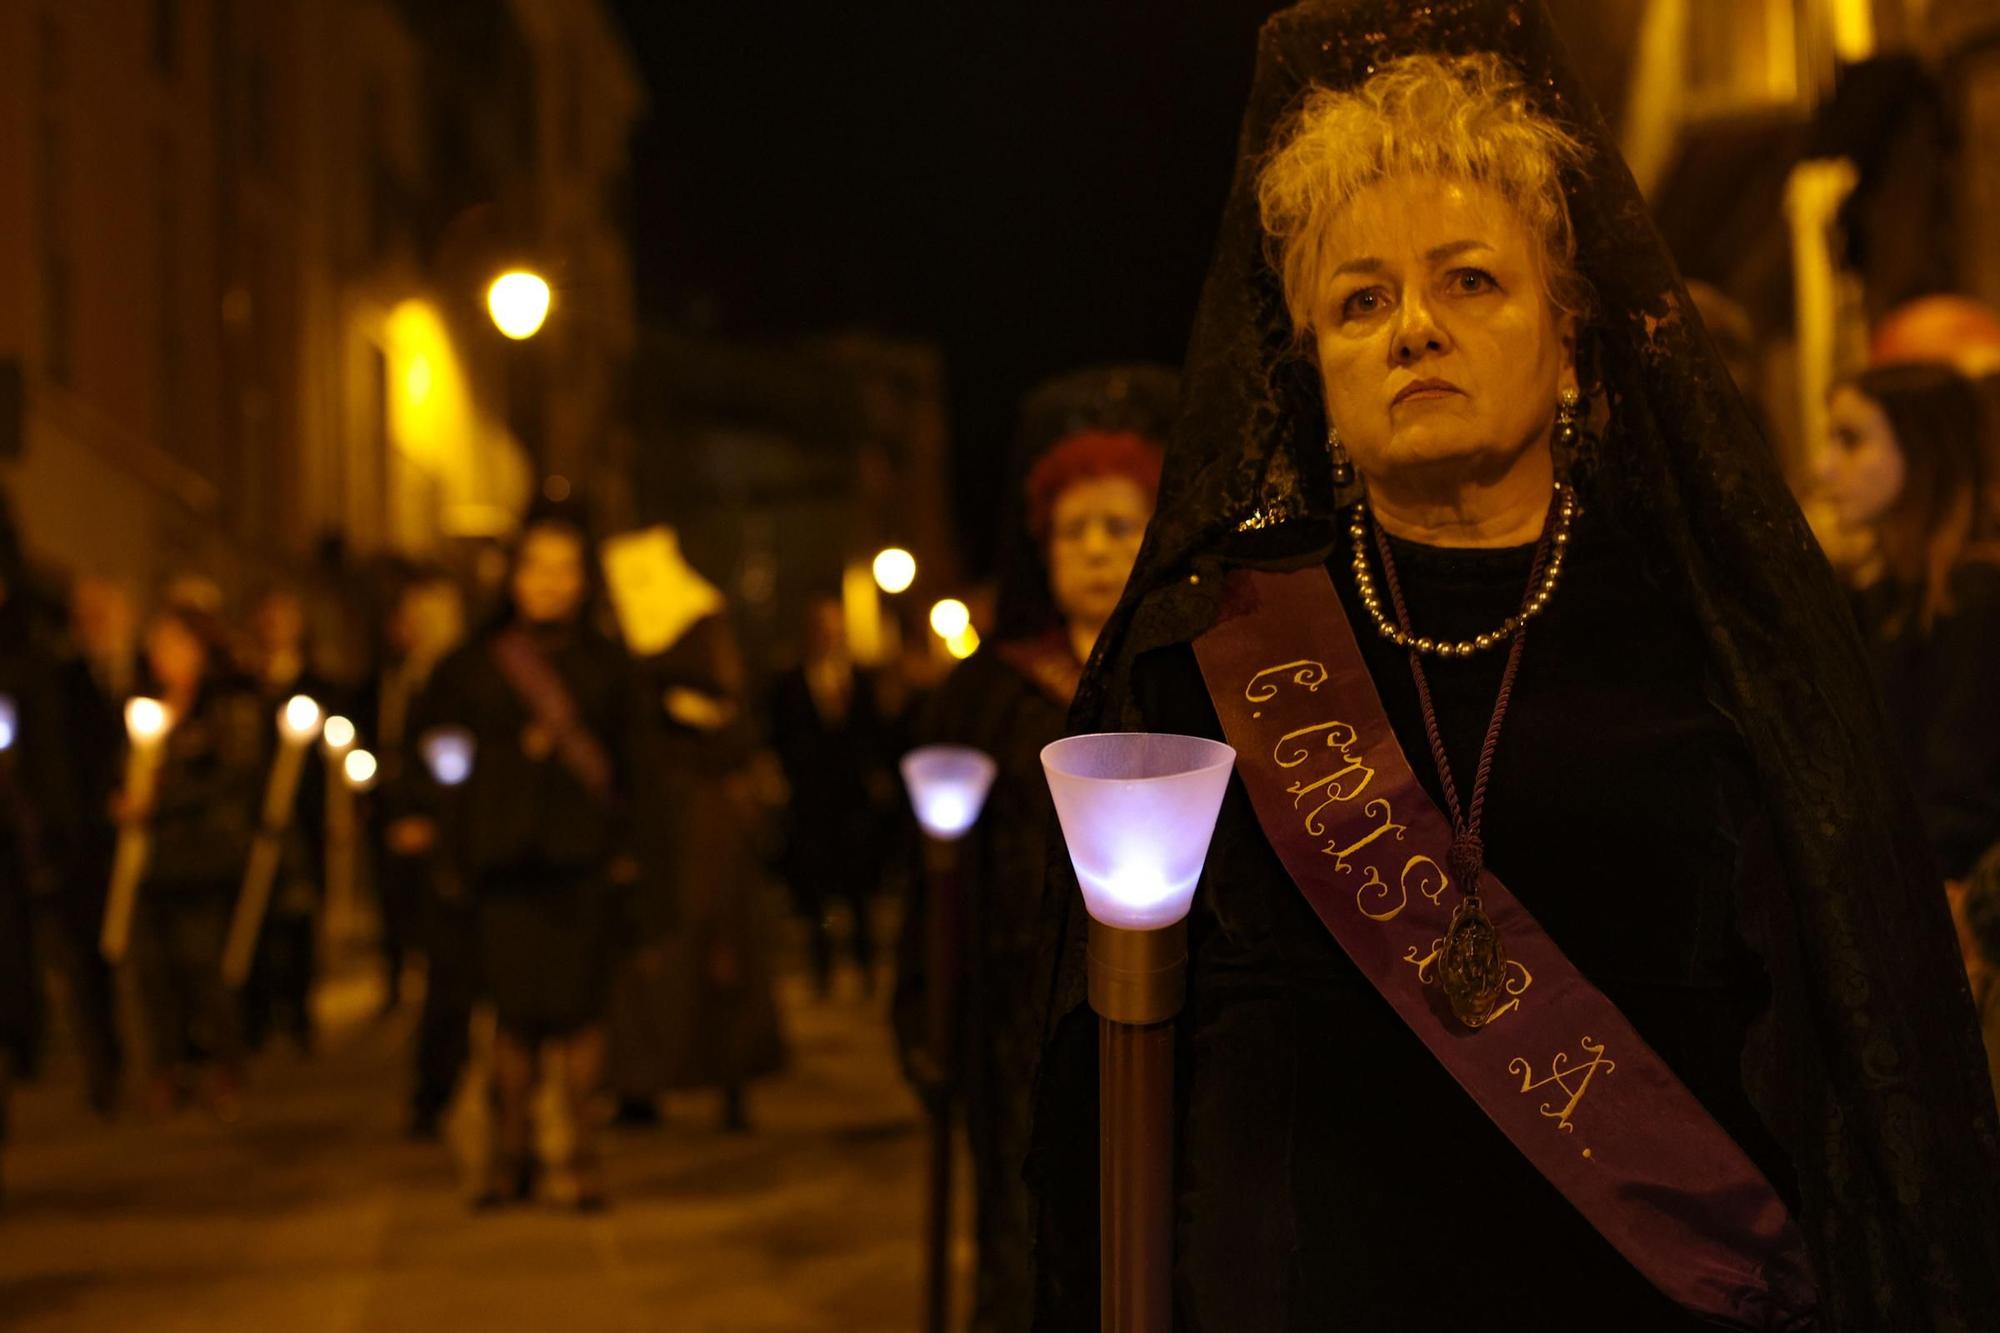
point(53, 259)
point(167, 295)
point(1741, 54)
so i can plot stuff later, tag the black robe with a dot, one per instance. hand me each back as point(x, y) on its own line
point(1327, 1161)
point(992, 704)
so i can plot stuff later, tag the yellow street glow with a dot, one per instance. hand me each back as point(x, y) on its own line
point(518, 302)
point(359, 767)
point(895, 570)
point(145, 720)
point(963, 644)
point(339, 732)
point(950, 617)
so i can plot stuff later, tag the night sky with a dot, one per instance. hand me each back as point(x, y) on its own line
point(1032, 186)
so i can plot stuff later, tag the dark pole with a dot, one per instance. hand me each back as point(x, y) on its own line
point(1138, 980)
point(941, 873)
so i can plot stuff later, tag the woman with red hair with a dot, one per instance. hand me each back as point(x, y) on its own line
point(1088, 456)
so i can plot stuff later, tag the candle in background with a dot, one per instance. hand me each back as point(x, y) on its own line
point(359, 769)
point(10, 716)
point(298, 727)
point(147, 723)
point(343, 908)
point(448, 754)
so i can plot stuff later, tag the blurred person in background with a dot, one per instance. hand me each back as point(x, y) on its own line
point(832, 742)
point(424, 902)
point(1906, 466)
point(694, 1006)
point(200, 820)
point(1090, 446)
point(37, 810)
point(558, 728)
point(279, 988)
point(96, 676)
point(425, 620)
point(1979, 939)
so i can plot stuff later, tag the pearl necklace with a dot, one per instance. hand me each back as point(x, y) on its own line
point(1371, 596)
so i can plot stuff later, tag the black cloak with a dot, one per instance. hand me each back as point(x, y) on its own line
point(1867, 1064)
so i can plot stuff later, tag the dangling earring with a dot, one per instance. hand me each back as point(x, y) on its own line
point(1343, 467)
point(1568, 408)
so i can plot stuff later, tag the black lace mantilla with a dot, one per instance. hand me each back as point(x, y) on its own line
point(1867, 1066)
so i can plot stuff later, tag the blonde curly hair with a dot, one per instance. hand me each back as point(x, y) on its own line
point(1453, 117)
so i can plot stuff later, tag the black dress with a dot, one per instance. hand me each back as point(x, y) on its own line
point(995, 706)
point(1944, 712)
point(536, 843)
point(1326, 1159)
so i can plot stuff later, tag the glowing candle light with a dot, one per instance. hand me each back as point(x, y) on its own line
point(448, 753)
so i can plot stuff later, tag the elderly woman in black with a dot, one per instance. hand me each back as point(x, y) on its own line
point(1566, 957)
point(555, 719)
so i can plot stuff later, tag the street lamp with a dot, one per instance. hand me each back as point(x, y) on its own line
point(895, 570)
point(947, 786)
point(1137, 811)
point(518, 301)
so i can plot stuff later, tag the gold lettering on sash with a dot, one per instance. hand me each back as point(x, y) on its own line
point(1375, 809)
point(1380, 887)
point(1425, 963)
point(1517, 986)
point(1305, 672)
point(1339, 737)
point(1573, 1079)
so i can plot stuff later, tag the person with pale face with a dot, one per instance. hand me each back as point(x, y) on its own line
point(1907, 469)
point(1095, 524)
point(536, 839)
point(549, 579)
point(1476, 560)
point(1443, 360)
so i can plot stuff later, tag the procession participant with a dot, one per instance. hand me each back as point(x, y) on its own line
point(1567, 954)
point(1087, 466)
point(555, 718)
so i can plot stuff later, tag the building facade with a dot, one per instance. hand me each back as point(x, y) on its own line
point(244, 246)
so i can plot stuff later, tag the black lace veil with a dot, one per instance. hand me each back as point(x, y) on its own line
point(1868, 1066)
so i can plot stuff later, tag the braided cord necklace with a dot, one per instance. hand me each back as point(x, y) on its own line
point(1472, 961)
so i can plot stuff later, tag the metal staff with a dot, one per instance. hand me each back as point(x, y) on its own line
point(147, 723)
point(298, 725)
point(1137, 811)
point(947, 786)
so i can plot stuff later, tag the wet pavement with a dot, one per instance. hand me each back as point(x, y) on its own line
point(315, 1213)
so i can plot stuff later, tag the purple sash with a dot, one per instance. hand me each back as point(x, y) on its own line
point(1558, 1068)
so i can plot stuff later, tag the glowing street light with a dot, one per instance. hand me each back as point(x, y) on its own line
point(518, 301)
point(963, 644)
point(895, 570)
point(949, 618)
